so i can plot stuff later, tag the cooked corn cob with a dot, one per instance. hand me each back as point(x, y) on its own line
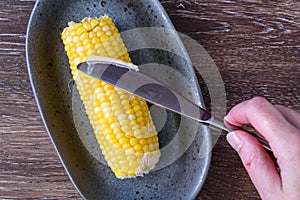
point(121, 122)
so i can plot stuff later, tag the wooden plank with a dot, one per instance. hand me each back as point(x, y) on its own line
point(29, 165)
point(255, 45)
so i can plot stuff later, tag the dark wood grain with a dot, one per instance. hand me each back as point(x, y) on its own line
point(29, 166)
point(255, 45)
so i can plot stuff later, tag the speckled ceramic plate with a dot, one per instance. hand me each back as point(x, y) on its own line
point(147, 33)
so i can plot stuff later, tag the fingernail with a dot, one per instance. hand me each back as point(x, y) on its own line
point(234, 140)
point(225, 119)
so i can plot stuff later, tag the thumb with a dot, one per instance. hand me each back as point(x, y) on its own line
point(257, 162)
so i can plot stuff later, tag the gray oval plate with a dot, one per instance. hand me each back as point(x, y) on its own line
point(181, 171)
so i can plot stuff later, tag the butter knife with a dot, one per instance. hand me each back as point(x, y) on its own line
point(154, 91)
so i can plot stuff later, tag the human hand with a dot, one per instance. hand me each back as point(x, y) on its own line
point(281, 127)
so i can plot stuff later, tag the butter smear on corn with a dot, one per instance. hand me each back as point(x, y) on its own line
point(121, 121)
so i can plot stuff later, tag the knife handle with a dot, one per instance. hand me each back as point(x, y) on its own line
point(218, 123)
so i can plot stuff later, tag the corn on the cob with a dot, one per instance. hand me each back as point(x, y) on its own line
point(121, 122)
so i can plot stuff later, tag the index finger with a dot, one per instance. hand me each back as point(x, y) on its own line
point(263, 116)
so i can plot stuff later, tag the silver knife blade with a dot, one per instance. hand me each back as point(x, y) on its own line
point(154, 91)
point(145, 87)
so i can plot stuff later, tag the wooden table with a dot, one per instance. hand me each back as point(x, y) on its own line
point(255, 45)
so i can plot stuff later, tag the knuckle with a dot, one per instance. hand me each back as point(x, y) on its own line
point(249, 158)
point(250, 161)
point(257, 102)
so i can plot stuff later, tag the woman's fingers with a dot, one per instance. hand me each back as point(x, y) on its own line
point(258, 163)
point(281, 127)
point(264, 117)
point(293, 117)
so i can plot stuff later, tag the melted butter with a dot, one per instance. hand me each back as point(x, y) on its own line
point(107, 60)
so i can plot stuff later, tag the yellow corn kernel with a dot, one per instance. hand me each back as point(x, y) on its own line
point(122, 123)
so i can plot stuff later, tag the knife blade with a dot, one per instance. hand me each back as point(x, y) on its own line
point(154, 91)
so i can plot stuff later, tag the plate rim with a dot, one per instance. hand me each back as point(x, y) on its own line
point(33, 86)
